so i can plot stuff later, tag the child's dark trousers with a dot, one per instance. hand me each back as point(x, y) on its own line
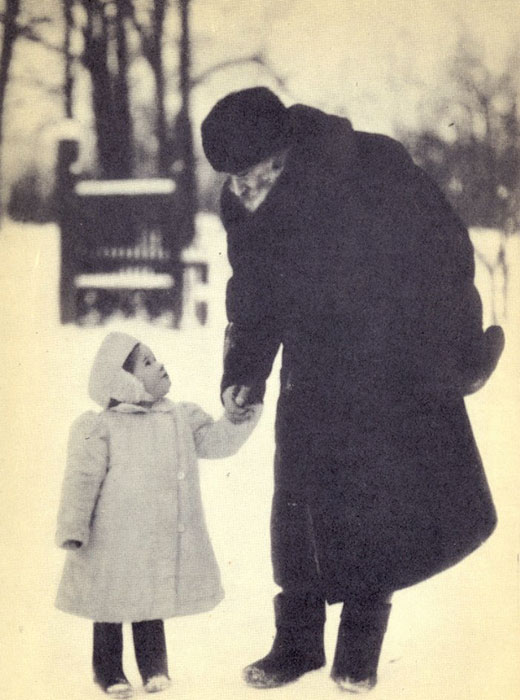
point(149, 646)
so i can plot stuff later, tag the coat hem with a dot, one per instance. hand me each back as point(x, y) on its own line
point(194, 607)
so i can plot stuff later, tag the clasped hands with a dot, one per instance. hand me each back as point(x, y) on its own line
point(236, 404)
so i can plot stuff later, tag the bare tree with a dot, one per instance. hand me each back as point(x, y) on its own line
point(10, 33)
point(68, 79)
point(13, 29)
point(151, 34)
point(183, 126)
point(105, 38)
point(107, 29)
point(472, 149)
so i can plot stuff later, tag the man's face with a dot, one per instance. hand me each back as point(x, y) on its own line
point(252, 185)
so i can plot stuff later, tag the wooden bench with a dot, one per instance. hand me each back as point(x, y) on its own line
point(120, 248)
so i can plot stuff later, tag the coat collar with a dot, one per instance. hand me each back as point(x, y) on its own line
point(160, 406)
point(324, 140)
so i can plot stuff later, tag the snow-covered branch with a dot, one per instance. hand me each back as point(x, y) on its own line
point(255, 58)
point(28, 32)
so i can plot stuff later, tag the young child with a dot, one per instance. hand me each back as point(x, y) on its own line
point(131, 514)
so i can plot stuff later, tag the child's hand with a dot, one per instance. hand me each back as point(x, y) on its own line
point(72, 544)
point(235, 404)
point(253, 409)
point(249, 413)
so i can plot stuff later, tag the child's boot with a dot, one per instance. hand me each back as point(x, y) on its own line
point(360, 638)
point(157, 683)
point(298, 644)
point(120, 689)
point(107, 660)
point(151, 655)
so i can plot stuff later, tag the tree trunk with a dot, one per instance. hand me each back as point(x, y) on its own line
point(121, 115)
point(184, 134)
point(68, 79)
point(110, 96)
point(163, 141)
point(10, 32)
point(95, 60)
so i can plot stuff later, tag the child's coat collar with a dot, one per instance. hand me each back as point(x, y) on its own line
point(160, 406)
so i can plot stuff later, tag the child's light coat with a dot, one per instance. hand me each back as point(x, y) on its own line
point(131, 494)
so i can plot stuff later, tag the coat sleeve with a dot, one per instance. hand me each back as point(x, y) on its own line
point(215, 439)
point(253, 336)
point(87, 464)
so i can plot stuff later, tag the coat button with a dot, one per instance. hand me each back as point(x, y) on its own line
point(180, 475)
point(180, 527)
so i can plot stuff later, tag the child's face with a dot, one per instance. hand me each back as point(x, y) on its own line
point(151, 372)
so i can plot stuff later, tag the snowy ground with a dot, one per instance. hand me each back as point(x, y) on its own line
point(456, 636)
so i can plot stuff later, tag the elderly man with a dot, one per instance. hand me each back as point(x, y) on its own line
point(346, 254)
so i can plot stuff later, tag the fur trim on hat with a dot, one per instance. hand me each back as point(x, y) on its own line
point(244, 128)
point(108, 380)
point(126, 388)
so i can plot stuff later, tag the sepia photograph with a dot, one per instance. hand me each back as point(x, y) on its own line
point(260, 341)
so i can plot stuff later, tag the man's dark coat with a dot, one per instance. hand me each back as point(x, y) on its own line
point(358, 266)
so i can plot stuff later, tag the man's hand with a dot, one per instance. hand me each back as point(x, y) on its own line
point(235, 399)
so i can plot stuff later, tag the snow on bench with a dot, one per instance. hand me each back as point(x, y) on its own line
point(147, 186)
point(124, 279)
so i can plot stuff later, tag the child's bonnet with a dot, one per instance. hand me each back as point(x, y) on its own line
point(108, 380)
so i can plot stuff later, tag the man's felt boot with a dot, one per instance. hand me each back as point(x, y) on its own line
point(360, 638)
point(298, 644)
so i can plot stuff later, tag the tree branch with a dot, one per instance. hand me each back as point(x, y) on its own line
point(27, 32)
point(39, 20)
point(138, 26)
point(256, 58)
point(35, 82)
point(34, 21)
point(146, 35)
point(222, 65)
point(281, 81)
